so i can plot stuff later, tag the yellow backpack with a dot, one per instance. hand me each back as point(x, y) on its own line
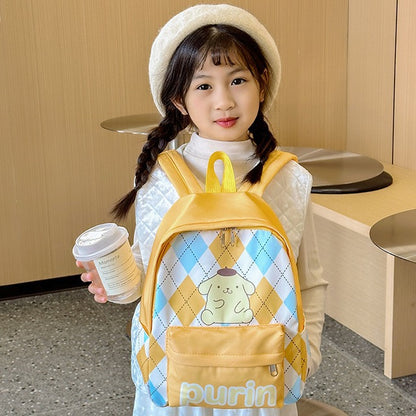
point(221, 312)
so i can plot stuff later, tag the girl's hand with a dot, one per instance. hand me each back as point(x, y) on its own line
point(95, 287)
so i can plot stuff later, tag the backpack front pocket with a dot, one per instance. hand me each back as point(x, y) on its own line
point(226, 367)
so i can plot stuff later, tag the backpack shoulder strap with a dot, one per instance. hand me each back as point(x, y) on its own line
point(179, 173)
point(277, 159)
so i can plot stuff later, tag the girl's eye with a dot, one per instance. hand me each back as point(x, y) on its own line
point(238, 81)
point(203, 87)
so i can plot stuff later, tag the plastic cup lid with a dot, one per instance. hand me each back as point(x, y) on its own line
point(99, 241)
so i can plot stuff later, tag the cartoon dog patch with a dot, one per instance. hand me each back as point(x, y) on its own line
point(227, 298)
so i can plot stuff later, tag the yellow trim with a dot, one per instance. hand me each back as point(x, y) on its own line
point(179, 173)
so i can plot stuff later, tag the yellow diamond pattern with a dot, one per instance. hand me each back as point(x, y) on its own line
point(187, 302)
point(156, 353)
point(264, 312)
point(143, 363)
point(296, 355)
point(228, 254)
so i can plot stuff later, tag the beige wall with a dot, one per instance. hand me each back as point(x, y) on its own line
point(371, 52)
point(404, 145)
point(67, 65)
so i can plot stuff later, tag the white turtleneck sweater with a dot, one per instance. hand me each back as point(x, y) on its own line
point(288, 195)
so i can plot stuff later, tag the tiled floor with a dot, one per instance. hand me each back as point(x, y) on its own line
point(63, 354)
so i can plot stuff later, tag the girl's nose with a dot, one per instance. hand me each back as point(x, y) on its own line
point(224, 100)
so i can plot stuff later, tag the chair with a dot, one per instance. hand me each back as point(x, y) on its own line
point(309, 407)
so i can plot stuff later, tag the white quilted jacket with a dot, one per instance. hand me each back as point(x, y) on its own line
point(288, 195)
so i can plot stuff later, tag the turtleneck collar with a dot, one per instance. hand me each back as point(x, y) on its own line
point(203, 148)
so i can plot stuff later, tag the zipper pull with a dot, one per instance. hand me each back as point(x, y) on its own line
point(273, 370)
point(222, 238)
point(232, 237)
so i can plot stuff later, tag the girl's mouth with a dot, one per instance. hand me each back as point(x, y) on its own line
point(227, 122)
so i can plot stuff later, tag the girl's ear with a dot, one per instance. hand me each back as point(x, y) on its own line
point(262, 95)
point(178, 104)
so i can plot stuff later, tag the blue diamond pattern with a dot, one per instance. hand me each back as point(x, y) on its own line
point(290, 302)
point(263, 249)
point(156, 396)
point(189, 247)
point(294, 393)
point(160, 302)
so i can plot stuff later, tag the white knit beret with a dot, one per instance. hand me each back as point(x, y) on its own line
point(187, 21)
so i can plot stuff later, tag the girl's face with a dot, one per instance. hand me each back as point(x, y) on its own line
point(222, 101)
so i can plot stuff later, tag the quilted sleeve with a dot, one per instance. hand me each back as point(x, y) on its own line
point(152, 202)
point(288, 196)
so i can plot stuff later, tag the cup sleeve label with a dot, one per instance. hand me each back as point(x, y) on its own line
point(118, 270)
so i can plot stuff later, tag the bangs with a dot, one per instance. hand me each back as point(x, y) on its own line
point(221, 56)
point(223, 49)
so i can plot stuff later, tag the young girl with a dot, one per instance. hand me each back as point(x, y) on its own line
point(215, 69)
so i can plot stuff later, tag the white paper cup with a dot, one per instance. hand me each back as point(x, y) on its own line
point(107, 246)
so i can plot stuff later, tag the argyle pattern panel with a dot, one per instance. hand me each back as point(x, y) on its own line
point(256, 259)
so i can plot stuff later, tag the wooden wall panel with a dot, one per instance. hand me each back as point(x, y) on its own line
point(371, 51)
point(22, 167)
point(312, 37)
point(58, 170)
point(405, 102)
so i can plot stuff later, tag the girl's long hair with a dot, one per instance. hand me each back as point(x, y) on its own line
point(223, 44)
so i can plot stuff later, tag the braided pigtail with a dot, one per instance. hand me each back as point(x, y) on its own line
point(156, 143)
point(265, 143)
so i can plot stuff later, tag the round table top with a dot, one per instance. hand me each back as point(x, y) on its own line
point(396, 235)
point(133, 124)
point(331, 168)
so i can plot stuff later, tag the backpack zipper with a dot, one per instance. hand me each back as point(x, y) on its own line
point(229, 234)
